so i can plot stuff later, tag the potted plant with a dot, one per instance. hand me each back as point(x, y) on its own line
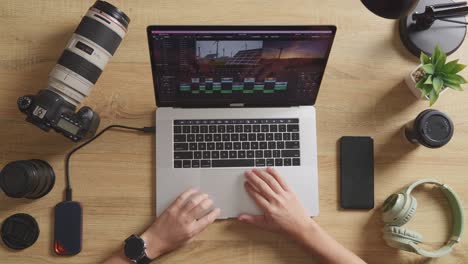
point(433, 76)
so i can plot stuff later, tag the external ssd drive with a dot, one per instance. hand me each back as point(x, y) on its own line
point(357, 172)
point(68, 228)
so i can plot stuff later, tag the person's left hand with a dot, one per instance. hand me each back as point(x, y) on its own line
point(185, 218)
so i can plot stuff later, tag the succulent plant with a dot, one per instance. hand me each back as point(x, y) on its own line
point(439, 75)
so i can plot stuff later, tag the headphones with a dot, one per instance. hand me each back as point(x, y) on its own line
point(398, 209)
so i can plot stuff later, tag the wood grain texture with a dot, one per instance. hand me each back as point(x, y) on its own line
point(362, 94)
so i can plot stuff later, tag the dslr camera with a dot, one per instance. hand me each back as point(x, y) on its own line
point(90, 48)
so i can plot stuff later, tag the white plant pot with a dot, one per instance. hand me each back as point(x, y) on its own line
point(411, 83)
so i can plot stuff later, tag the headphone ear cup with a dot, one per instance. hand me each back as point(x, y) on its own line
point(409, 213)
point(400, 237)
point(398, 209)
point(413, 235)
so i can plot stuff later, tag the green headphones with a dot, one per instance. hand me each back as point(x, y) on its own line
point(400, 207)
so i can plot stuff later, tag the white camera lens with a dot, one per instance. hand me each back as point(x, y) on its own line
point(87, 53)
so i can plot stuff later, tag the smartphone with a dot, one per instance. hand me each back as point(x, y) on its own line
point(357, 172)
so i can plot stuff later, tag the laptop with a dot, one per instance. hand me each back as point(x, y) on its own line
point(231, 98)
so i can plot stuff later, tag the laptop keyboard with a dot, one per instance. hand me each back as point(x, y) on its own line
point(236, 143)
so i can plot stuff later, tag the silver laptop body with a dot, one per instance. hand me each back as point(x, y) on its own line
point(231, 98)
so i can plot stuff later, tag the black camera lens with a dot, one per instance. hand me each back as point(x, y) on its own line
point(33, 188)
point(45, 169)
point(20, 183)
point(30, 179)
point(42, 186)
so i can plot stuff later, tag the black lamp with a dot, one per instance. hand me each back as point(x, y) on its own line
point(425, 23)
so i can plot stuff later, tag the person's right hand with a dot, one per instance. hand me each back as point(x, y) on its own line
point(283, 212)
point(186, 217)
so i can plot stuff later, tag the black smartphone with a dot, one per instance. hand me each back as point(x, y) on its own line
point(357, 172)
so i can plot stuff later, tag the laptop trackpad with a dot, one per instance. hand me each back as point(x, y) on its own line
point(226, 188)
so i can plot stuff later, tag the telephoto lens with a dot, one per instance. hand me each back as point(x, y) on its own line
point(93, 43)
point(30, 179)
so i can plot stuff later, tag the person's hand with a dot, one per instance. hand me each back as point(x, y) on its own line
point(283, 212)
point(186, 217)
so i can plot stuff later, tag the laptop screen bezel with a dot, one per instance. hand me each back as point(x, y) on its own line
point(152, 28)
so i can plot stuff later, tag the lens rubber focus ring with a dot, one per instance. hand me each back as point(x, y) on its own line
point(80, 66)
point(99, 34)
point(49, 173)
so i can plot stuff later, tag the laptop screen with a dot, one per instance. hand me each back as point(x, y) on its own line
point(257, 66)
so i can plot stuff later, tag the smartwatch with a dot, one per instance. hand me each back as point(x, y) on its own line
point(135, 250)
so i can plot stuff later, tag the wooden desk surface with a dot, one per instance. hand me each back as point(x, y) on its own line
point(362, 94)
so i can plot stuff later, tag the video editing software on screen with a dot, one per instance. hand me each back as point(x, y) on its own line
point(235, 66)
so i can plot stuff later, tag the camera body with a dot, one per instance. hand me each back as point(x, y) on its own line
point(49, 110)
point(86, 54)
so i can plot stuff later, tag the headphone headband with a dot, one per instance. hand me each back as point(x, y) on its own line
point(415, 184)
point(457, 212)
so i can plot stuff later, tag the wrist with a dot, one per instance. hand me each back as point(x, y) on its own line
point(155, 246)
point(307, 229)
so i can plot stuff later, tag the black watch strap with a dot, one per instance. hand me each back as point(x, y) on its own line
point(144, 260)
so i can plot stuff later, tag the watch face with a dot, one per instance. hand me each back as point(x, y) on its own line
point(134, 247)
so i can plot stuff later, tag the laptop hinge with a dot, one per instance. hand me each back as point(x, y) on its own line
point(233, 105)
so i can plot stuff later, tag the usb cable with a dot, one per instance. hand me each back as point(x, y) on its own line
point(68, 189)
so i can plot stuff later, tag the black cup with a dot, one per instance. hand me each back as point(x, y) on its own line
point(431, 128)
point(30, 179)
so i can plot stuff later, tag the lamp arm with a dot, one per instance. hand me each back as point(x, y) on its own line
point(447, 5)
point(454, 12)
point(432, 13)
